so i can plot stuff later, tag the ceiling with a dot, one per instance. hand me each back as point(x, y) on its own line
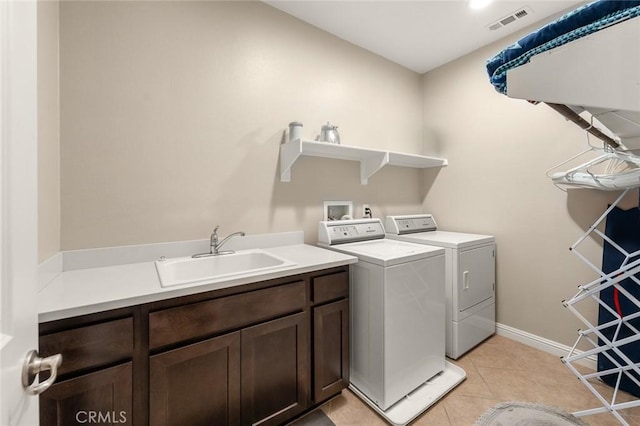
point(420, 34)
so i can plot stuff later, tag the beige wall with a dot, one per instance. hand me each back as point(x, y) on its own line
point(172, 114)
point(498, 150)
point(48, 131)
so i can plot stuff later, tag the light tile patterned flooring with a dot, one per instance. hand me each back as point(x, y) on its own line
point(498, 370)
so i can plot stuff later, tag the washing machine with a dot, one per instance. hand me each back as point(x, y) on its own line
point(470, 278)
point(397, 309)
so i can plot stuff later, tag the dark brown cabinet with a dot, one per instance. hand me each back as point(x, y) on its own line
point(196, 385)
point(89, 346)
point(275, 370)
point(257, 354)
point(95, 380)
point(331, 349)
point(102, 397)
point(330, 334)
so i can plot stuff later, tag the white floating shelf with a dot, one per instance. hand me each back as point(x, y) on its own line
point(371, 160)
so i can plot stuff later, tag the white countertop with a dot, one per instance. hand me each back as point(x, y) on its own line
point(95, 289)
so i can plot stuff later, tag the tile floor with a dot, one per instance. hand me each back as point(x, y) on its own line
point(498, 370)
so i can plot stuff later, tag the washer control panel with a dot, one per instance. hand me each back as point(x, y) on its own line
point(407, 224)
point(349, 231)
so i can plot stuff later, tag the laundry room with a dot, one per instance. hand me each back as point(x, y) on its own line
point(168, 130)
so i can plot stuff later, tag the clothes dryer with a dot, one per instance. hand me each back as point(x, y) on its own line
point(470, 278)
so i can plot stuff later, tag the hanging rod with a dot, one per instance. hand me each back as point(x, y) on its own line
point(569, 114)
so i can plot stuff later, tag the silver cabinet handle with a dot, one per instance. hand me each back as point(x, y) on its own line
point(33, 365)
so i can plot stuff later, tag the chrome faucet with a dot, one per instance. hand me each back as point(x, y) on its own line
point(215, 244)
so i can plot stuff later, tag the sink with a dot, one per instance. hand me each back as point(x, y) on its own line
point(211, 269)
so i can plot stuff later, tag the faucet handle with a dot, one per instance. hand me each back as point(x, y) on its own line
point(214, 237)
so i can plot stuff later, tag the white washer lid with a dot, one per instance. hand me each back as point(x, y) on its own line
point(387, 252)
point(456, 240)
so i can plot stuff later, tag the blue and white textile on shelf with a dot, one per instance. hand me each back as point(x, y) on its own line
point(576, 24)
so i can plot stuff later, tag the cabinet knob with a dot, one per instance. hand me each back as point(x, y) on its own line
point(34, 365)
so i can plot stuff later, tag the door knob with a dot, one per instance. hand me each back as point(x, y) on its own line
point(34, 365)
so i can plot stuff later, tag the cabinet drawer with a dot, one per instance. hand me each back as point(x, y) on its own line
point(215, 316)
point(330, 287)
point(90, 346)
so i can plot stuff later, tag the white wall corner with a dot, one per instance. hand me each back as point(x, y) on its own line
point(49, 269)
point(543, 344)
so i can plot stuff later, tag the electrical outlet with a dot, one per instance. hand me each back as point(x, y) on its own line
point(366, 211)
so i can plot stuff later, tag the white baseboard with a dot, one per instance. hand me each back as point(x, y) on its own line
point(545, 345)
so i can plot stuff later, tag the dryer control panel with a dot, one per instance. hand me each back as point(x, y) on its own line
point(349, 231)
point(410, 223)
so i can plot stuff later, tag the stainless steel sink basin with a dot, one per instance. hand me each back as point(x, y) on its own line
point(212, 269)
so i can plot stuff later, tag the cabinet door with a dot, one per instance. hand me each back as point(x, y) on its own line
point(196, 385)
point(331, 349)
point(103, 397)
point(275, 370)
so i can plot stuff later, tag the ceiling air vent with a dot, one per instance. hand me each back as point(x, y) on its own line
point(507, 20)
point(512, 17)
point(521, 13)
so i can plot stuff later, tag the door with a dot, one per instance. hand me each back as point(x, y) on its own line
point(275, 370)
point(476, 276)
point(331, 349)
point(18, 207)
point(197, 385)
point(103, 397)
